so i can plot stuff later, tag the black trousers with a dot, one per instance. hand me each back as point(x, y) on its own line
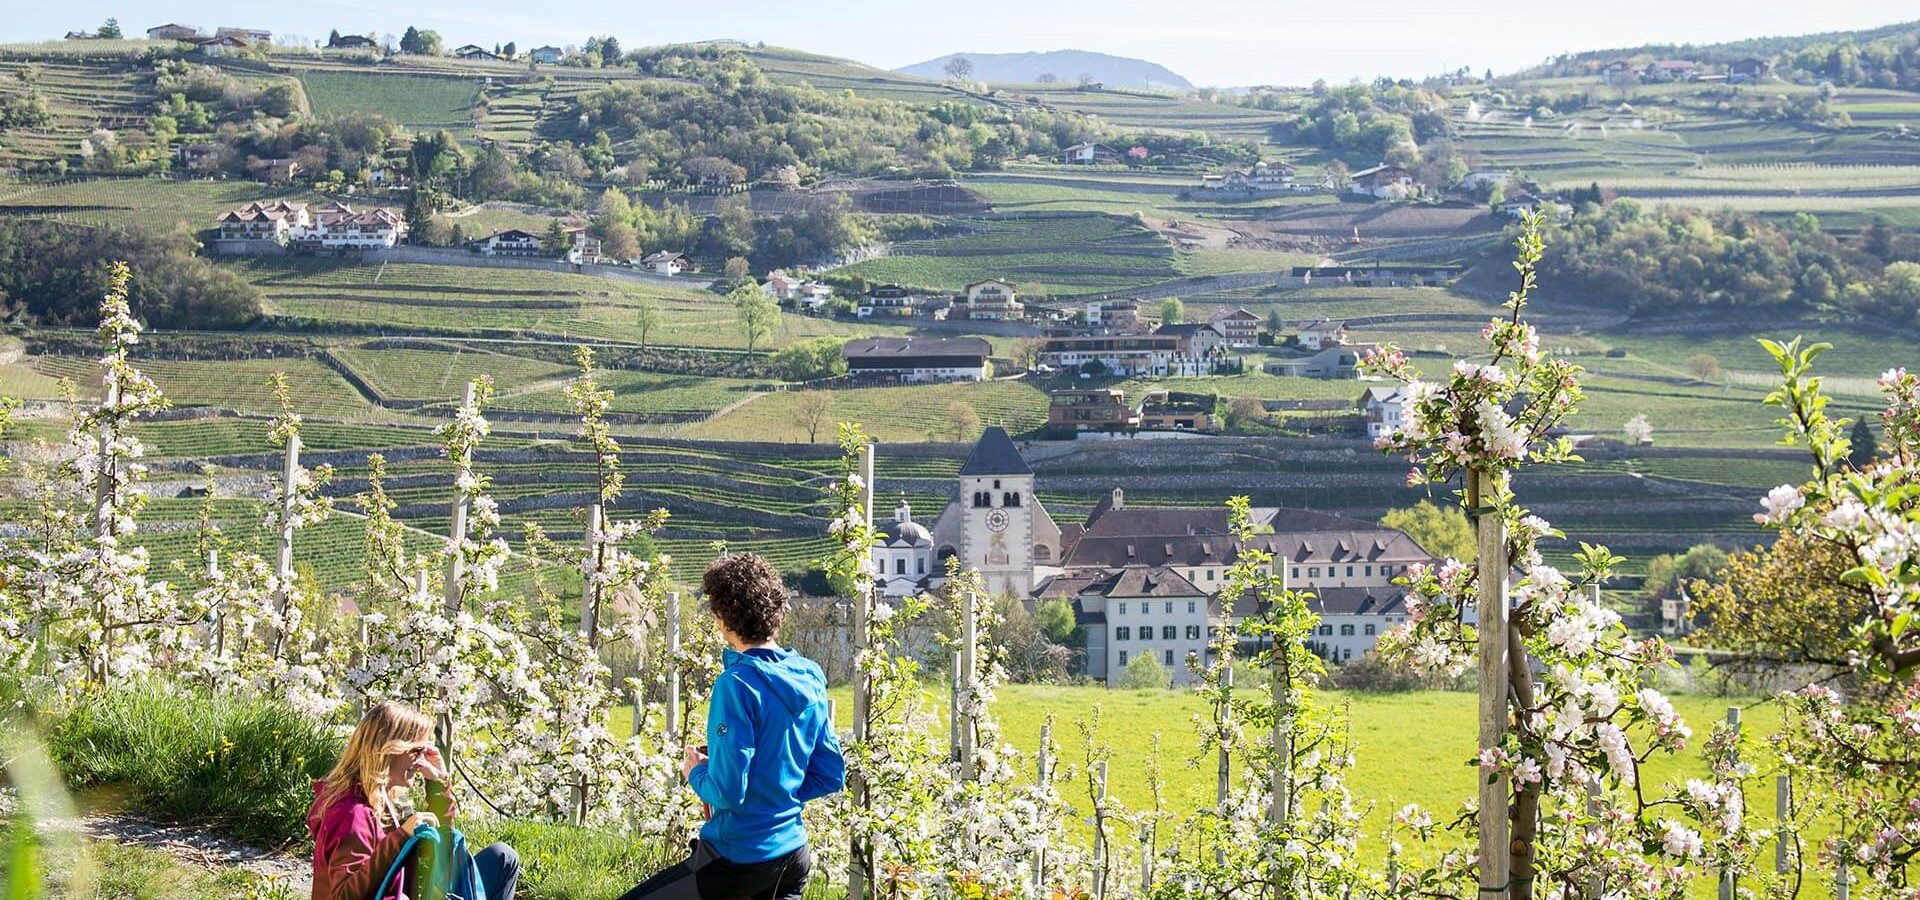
point(706, 875)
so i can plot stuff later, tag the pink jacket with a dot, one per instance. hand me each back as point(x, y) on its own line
point(351, 851)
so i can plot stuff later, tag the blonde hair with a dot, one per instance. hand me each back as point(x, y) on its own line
point(387, 730)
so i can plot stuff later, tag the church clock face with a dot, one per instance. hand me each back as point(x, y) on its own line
point(997, 520)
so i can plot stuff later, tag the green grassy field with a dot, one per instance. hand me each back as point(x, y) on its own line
point(419, 102)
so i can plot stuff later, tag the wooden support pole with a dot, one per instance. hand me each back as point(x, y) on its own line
point(1223, 772)
point(860, 883)
point(1727, 885)
point(953, 706)
point(1042, 775)
point(1842, 879)
point(674, 712)
point(1280, 801)
point(1494, 850)
point(1782, 815)
point(220, 614)
point(1146, 860)
point(283, 560)
point(1593, 830)
point(969, 676)
point(1100, 831)
point(592, 591)
point(106, 486)
point(457, 528)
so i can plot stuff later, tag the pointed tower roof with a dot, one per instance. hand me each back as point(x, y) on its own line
point(995, 454)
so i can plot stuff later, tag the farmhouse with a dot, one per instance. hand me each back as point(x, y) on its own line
point(173, 32)
point(1382, 407)
point(1616, 71)
point(351, 42)
point(1670, 70)
point(337, 226)
point(1167, 411)
point(249, 35)
point(1092, 409)
point(665, 262)
point(1322, 334)
point(1748, 70)
point(512, 242)
point(473, 51)
point(274, 171)
point(222, 45)
point(1122, 355)
point(1335, 361)
point(1090, 153)
point(994, 301)
point(1241, 328)
point(1114, 315)
point(545, 56)
point(890, 300)
point(1517, 207)
point(1263, 177)
point(199, 157)
point(1387, 181)
point(260, 226)
point(1483, 178)
point(916, 360)
point(1198, 340)
point(792, 290)
point(584, 250)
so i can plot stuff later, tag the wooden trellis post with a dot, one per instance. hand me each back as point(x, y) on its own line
point(859, 863)
point(1782, 814)
point(283, 562)
point(1593, 812)
point(456, 562)
point(1100, 831)
point(1495, 850)
point(1727, 885)
point(1146, 860)
point(1041, 777)
point(1280, 804)
point(953, 707)
point(219, 615)
point(969, 673)
point(674, 712)
point(592, 591)
point(1223, 774)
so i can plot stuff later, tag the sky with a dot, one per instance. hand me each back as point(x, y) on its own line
point(1221, 43)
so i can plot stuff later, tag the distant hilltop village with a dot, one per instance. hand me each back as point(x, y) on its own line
point(1143, 580)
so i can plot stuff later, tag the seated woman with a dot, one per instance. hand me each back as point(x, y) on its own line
point(357, 820)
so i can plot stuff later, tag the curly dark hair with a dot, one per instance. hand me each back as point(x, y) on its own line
point(745, 591)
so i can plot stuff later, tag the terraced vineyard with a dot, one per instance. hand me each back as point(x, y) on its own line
point(422, 103)
point(98, 86)
point(909, 413)
point(1055, 254)
point(431, 375)
point(673, 397)
point(156, 203)
point(232, 384)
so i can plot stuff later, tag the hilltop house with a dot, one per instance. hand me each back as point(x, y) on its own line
point(916, 360)
point(222, 45)
point(1090, 153)
point(472, 51)
point(1322, 334)
point(1483, 178)
point(1382, 408)
point(1748, 70)
point(351, 42)
point(173, 32)
point(545, 56)
point(993, 300)
point(665, 262)
point(1615, 71)
point(1670, 70)
point(1334, 361)
point(889, 300)
point(512, 242)
point(1386, 181)
point(1241, 328)
point(1090, 409)
point(250, 35)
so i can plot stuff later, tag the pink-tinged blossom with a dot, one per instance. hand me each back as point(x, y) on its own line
point(1779, 504)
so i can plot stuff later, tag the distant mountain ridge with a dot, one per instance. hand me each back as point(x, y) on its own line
point(1065, 65)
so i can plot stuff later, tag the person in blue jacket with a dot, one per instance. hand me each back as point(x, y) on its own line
point(770, 749)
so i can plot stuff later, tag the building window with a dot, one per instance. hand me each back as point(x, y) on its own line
point(1012, 498)
point(1313, 572)
point(1346, 631)
point(1193, 632)
point(1146, 632)
point(982, 499)
point(900, 566)
point(1122, 633)
point(1169, 632)
point(1123, 608)
point(1169, 607)
point(1349, 571)
point(1369, 629)
point(1169, 658)
point(1210, 574)
point(920, 566)
point(1326, 630)
point(1296, 572)
point(1369, 570)
point(1123, 659)
point(1346, 653)
point(1042, 552)
point(1193, 606)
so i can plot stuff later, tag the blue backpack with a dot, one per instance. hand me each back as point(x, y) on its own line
point(455, 875)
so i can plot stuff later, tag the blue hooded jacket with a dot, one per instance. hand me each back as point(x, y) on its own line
point(770, 748)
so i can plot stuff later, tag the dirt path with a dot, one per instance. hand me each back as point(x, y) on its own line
point(191, 846)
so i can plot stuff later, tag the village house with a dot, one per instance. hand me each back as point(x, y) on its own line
point(1090, 153)
point(665, 262)
point(512, 242)
point(173, 32)
point(221, 45)
point(1381, 407)
point(1335, 361)
point(917, 360)
point(1198, 340)
point(1518, 206)
point(993, 301)
point(1322, 334)
point(1264, 177)
point(792, 290)
point(199, 157)
point(546, 56)
point(472, 51)
point(1616, 71)
point(250, 35)
point(1670, 70)
point(1125, 355)
point(583, 249)
point(890, 300)
point(1241, 328)
point(1114, 315)
point(351, 42)
point(1386, 181)
point(1090, 409)
point(336, 226)
point(260, 226)
point(1483, 178)
point(274, 171)
point(1749, 70)
point(1162, 410)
